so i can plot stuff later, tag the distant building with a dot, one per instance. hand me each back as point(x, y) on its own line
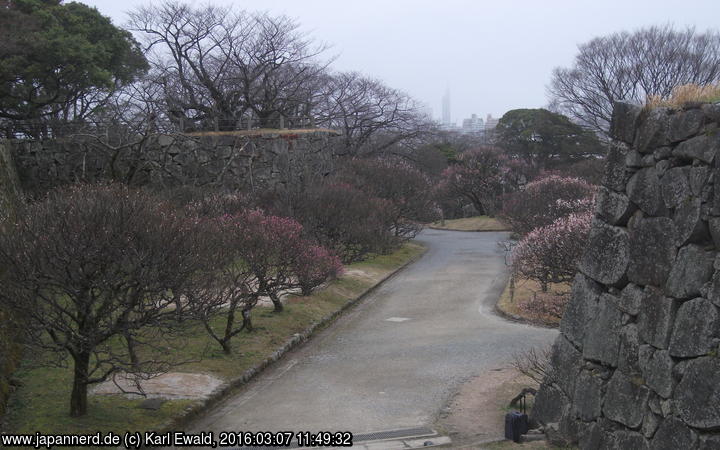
point(446, 118)
point(491, 122)
point(474, 124)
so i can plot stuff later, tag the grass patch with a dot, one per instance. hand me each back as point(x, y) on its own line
point(477, 223)
point(524, 290)
point(687, 93)
point(42, 402)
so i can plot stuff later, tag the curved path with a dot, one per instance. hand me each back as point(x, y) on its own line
point(394, 360)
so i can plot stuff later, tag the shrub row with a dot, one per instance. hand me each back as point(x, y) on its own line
point(104, 276)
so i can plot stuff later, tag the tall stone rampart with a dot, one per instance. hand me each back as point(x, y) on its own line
point(636, 364)
point(227, 161)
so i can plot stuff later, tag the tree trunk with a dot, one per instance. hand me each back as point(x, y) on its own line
point(477, 203)
point(78, 398)
point(230, 321)
point(277, 303)
point(247, 323)
point(134, 361)
point(178, 308)
point(227, 349)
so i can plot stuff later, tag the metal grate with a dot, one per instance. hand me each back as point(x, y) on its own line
point(394, 434)
point(375, 436)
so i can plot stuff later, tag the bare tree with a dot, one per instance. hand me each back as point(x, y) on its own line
point(632, 66)
point(217, 65)
point(371, 116)
point(534, 363)
point(94, 270)
point(408, 192)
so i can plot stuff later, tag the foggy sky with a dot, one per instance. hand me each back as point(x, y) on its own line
point(494, 55)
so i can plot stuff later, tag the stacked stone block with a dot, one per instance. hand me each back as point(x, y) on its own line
point(637, 364)
point(230, 162)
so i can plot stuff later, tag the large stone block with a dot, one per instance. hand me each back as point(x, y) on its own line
point(587, 401)
point(602, 340)
point(550, 405)
point(710, 442)
point(580, 309)
point(633, 159)
point(606, 255)
point(697, 396)
point(644, 190)
point(714, 226)
point(629, 347)
point(656, 318)
point(714, 293)
point(686, 124)
point(624, 119)
point(653, 131)
point(702, 148)
point(673, 435)
point(566, 362)
point(613, 208)
point(625, 400)
point(696, 327)
point(630, 299)
point(651, 422)
point(689, 224)
point(615, 175)
point(699, 176)
point(691, 269)
point(657, 372)
point(629, 440)
point(651, 250)
point(675, 186)
point(595, 438)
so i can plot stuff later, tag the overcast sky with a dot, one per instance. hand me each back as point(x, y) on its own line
point(494, 55)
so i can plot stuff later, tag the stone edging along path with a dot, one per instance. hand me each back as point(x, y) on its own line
point(229, 386)
point(467, 231)
point(520, 319)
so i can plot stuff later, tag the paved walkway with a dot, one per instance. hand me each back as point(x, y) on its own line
point(394, 360)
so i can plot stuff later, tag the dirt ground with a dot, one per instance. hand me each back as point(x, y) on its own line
point(475, 417)
point(172, 385)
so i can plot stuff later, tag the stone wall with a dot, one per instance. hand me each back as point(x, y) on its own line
point(636, 363)
point(10, 196)
point(227, 161)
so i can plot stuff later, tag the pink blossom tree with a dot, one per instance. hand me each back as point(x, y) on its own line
point(271, 247)
point(315, 265)
point(545, 304)
point(482, 176)
point(545, 200)
point(550, 254)
point(256, 256)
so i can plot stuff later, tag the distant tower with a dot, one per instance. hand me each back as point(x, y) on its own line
point(446, 119)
